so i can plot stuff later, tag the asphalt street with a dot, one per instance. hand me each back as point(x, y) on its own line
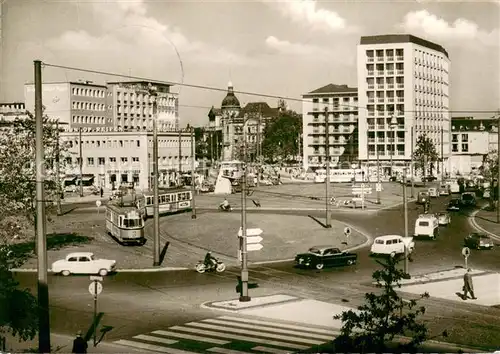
point(136, 303)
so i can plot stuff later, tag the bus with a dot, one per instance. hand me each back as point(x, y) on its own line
point(170, 201)
point(125, 223)
point(339, 175)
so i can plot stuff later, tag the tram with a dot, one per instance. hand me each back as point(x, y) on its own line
point(339, 175)
point(170, 201)
point(125, 223)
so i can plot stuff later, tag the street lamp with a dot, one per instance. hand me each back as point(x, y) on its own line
point(406, 239)
point(393, 125)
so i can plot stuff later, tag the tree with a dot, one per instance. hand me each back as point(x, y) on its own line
point(281, 137)
point(208, 143)
point(425, 155)
point(385, 315)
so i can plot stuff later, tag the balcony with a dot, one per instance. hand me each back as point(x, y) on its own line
point(401, 99)
point(390, 72)
point(381, 139)
point(380, 99)
point(371, 127)
point(371, 140)
point(380, 58)
point(380, 113)
point(390, 58)
point(380, 126)
point(390, 99)
point(371, 86)
point(369, 59)
point(380, 72)
point(401, 127)
point(390, 86)
point(371, 100)
point(380, 86)
point(401, 140)
point(399, 58)
point(400, 72)
point(401, 153)
point(370, 72)
point(390, 140)
point(401, 85)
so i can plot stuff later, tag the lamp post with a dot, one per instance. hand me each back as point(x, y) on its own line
point(412, 166)
point(328, 223)
point(393, 125)
point(406, 239)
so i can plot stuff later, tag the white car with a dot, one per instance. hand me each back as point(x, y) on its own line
point(391, 245)
point(83, 263)
point(443, 218)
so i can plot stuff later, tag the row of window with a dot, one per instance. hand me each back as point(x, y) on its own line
point(454, 137)
point(101, 161)
point(335, 100)
point(90, 120)
point(400, 80)
point(380, 94)
point(88, 92)
point(127, 143)
point(454, 148)
point(389, 53)
point(89, 106)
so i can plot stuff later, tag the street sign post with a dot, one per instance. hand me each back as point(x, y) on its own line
point(250, 232)
point(255, 247)
point(378, 187)
point(361, 190)
point(98, 205)
point(254, 239)
point(347, 231)
point(95, 288)
point(466, 254)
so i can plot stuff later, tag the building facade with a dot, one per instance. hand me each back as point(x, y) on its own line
point(113, 158)
point(131, 106)
point(340, 104)
point(10, 111)
point(74, 104)
point(403, 87)
point(471, 141)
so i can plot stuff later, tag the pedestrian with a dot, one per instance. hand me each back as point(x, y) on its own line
point(79, 344)
point(468, 286)
point(102, 192)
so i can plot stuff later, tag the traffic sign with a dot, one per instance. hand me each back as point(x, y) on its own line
point(96, 278)
point(378, 187)
point(255, 247)
point(254, 239)
point(250, 232)
point(466, 252)
point(95, 288)
point(98, 203)
point(347, 231)
point(359, 190)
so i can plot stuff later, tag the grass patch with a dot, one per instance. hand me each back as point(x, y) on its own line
point(55, 241)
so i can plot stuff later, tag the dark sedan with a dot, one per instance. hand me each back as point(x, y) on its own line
point(454, 205)
point(325, 256)
point(478, 241)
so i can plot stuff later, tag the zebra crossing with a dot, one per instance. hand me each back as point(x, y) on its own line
point(232, 335)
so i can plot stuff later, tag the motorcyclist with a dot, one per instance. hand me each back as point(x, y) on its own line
point(225, 204)
point(210, 261)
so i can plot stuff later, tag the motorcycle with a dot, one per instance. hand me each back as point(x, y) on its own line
point(201, 268)
point(227, 210)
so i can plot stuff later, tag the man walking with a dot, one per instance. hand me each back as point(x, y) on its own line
point(79, 344)
point(468, 286)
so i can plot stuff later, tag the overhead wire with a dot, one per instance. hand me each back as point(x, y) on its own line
point(217, 89)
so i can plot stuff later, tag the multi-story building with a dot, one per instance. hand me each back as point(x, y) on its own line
point(74, 104)
point(131, 106)
point(112, 158)
point(340, 102)
point(403, 87)
point(471, 140)
point(12, 110)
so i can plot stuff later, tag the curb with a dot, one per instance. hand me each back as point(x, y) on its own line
point(209, 305)
point(474, 224)
point(126, 270)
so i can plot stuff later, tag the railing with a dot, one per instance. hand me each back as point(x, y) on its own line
point(390, 86)
point(400, 72)
point(379, 99)
point(380, 86)
point(371, 86)
point(380, 114)
point(371, 114)
point(371, 127)
point(369, 59)
point(380, 72)
point(371, 100)
point(401, 99)
point(390, 58)
point(399, 57)
point(381, 126)
point(401, 140)
point(381, 140)
point(391, 99)
point(390, 72)
point(370, 72)
point(391, 140)
point(380, 58)
point(401, 85)
point(371, 140)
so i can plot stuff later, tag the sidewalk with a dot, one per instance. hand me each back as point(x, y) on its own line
point(486, 222)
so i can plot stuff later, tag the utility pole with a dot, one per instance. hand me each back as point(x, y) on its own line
point(327, 180)
point(41, 236)
point(379, 185)
point(405, 201)
point(243, 239)
point(442, 154)
point(180, 156)
point(81, 160)
point(193, 187)
point(156, 177)
point(259, 147)
point(498, 170)
point(216, 146)
point(58, 177)
point(412, 167)
point(299, 144)
point(211, 147)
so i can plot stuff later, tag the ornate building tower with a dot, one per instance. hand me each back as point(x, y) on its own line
point(230, 108)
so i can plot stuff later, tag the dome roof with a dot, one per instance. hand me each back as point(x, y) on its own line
point(230, 101)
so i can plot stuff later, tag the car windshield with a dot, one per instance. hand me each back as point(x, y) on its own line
point(132, 222)
point(314, 250)
point(467, 196)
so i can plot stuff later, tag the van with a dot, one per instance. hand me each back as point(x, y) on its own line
point(454, 186)
point(391, 245)
point(426, 225)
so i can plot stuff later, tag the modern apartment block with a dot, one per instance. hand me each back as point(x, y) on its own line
point(74, 104)
point(340, 104)
point(403, 86)
point(131, 106)
point(9, 111)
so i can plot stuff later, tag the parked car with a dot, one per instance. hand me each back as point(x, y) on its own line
point(83, 263)
point(478, 241)
point(454, 205)
point(443, 218)
point(391, 245)
point(433, 193)
point(468, 199)
point(323, 256)
point(71, 188)
point(444, 190)
point(429, 178)
point(423, 197)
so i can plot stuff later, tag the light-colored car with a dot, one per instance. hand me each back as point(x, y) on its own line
point(391, 245)
point(443, 218)
point(433, 192)
point(70, 188)
point(444, 189)
point(83, 263)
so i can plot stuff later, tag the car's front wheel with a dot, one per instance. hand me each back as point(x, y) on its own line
point(65, 273)
point(103, 272)
point(320, 266)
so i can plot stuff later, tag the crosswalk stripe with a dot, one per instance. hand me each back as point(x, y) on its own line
point(155, 339)
point(281, 325)
point(241, 338)
point(226, 351)
point(191, 337)
point(270, 329)
point(270, 350)
point(255, 333)
point(154, 348)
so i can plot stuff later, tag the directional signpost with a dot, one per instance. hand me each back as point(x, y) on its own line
point(359, 192)
point(98, 205)
point(466, 254)
point(347, 231)
point(95, 288)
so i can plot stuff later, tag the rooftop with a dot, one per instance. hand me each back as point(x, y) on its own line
point(471, 124)
point(402, 38)
point(143, 82)
point(332, 88)
point(84, 83)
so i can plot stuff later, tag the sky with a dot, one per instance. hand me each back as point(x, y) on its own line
point(280, 48)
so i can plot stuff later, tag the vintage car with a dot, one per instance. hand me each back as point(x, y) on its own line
point(454, 205)
point(391, 245)
point(468, 199)
point(324, 256)
point(423, 197)
point(443, 218)
point(444, 190)
point(83, 263)
point(478, 241)
point(433, 193)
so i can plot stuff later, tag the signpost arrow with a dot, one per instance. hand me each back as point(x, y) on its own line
point(254, 239)
point(466, 254)
point(250, 232)
point(254, 247)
